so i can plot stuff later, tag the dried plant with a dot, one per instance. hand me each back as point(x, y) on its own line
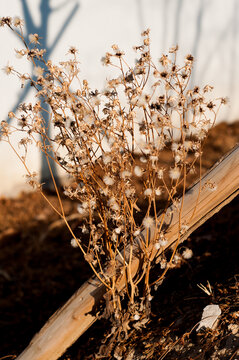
point(109, 141)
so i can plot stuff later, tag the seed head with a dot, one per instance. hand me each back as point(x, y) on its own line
point(108, 180)
point(187, 254)
point(33, 38)
point(174, 173)
point(148, 192)
point(148, 222)
point(18, 22)
point(8, 69)
point(138, 171)
point(189, 59)
point(38, 71)
point(74, 243)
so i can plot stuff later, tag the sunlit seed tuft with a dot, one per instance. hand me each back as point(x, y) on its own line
point(187, 254)
point(74, 243)
point(108, 180)
point(174, 173)
point(138, 171)
point(148, 222)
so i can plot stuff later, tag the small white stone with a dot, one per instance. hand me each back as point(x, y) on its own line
point(209, 317)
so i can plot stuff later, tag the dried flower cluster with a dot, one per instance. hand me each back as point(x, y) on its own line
point(108, 140)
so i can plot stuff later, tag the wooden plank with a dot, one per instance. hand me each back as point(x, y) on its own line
point(75, 317)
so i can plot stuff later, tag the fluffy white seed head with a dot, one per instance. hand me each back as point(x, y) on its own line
point(143, 159)
point(81, 209)
point(163, 242)
point(174, 173)
point(157, 246)
point(106, 159)
point(138, 171)
point(187, 254)
point(38, 71)
point(33, 38)
point(74, 243)
point(148, 222)
point(148, 192)
point(125, 174)
point(108, 180)
point(158, 192)
point(160, 173)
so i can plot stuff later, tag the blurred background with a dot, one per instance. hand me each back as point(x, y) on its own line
point(206, 28)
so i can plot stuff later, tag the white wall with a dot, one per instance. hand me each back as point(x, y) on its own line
point(206, 28)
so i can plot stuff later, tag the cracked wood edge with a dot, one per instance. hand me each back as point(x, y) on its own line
point(77, 315)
